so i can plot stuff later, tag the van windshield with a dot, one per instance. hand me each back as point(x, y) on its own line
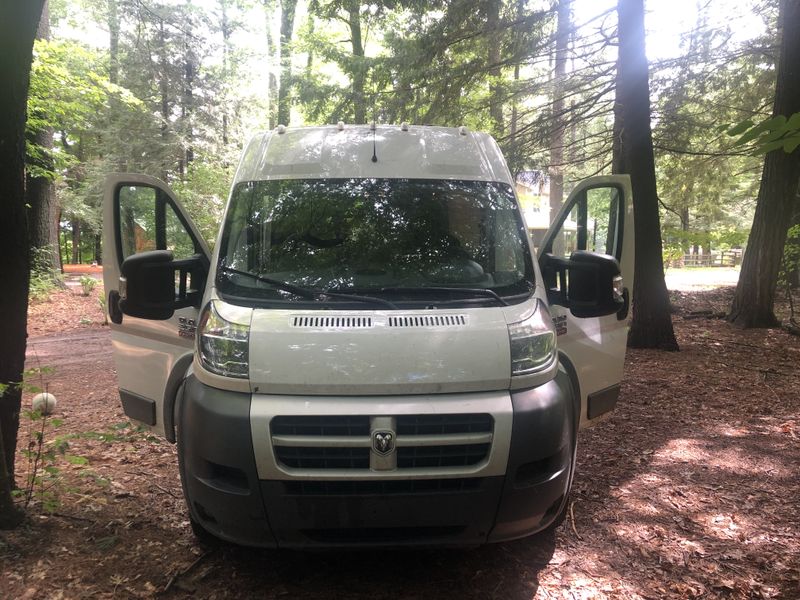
point(383, 237)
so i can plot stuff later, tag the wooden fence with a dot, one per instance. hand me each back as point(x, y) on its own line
point(727, 258)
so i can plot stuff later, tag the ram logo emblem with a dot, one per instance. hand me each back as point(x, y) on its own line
point(383, 442)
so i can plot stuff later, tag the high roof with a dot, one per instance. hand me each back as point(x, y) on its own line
point(346, 151)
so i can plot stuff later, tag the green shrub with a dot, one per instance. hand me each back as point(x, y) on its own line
point(88, 283)
point(43, 278)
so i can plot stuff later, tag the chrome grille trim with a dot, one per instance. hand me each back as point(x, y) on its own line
point(433, 450)
point(321, 441)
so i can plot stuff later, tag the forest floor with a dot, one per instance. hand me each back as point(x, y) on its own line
point(690, 489)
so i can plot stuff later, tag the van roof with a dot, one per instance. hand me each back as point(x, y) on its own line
point(335, 151)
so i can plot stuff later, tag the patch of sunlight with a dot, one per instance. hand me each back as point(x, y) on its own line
point(725, 458)
point(733, 431)
point(724, 526)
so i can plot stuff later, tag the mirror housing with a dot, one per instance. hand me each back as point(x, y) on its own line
point(594, 285)
point(588, 283)
point(147, 284)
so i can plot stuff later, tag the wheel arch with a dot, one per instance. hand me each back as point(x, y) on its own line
point(179, 372)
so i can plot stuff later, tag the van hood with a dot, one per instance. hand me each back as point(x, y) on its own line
point(379, 352)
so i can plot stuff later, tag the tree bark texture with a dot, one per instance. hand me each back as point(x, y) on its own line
point(18, 23)
point(495, 72)
point(754, 299)
point(285, 91)
point(113, 42)
point(556, 171)
point(225, 26)
point(76, 242)
point(651, 325)
point(272, 80)
point(187, 101)
point(41, 196)
point(358, 74)
point(163, 86)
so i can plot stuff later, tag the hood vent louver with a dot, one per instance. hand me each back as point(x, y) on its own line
point(333, 322)
point(428, 321)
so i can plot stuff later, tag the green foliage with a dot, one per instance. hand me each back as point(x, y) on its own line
point(43, 278)
point(677, 242)
point(102, 302)
point(88, 283)
point(770, 134)
point(68, 91)
point(791, 255)
point(43, 474)
point(203, 193)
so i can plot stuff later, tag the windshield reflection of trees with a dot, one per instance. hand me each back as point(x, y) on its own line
point(367, 233)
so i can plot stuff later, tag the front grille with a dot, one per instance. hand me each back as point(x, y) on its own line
point(440, 424)
point(323, 458)
point(425, 457)
point(447, 443)
point(319, 426)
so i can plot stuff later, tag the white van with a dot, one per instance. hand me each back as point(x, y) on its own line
point(372, 353)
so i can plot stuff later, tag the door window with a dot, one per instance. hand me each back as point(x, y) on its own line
point(148, 221)
point(593, 223)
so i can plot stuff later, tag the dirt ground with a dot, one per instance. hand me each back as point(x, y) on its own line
point(689, 490)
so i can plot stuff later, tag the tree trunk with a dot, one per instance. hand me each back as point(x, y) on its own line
point(358, 75)
point(556, 171)
point(225, 26)
point(685, 247)
point(163, 85)
point(187, 95)
point(493, 61)
point(18, 22)
point(651, 326)
point(76, 242)
point(113, 42)
point(515, 162)
point(272, 81)
point(285, 91)
point(42, 224)
point(754, 299)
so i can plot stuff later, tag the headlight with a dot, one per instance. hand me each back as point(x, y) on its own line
point(223, 345)
point(533, 342)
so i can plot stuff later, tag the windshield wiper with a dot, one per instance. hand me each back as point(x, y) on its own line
point(309, 293)
point(434, 288)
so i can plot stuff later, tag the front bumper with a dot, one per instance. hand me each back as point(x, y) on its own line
point(227, 497)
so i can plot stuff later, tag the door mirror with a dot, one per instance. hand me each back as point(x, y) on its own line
point(587, 283)
point(594, 285)
point(152, 285)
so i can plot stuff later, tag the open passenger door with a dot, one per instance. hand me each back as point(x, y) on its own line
point(592, 234)
point(154, 268)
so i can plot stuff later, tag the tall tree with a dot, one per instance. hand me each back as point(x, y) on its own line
point(753, 301)
point(651, 326)
point(494, 50)
point(43, 216)
point(358, 69)
point(556, 170)
point(285, 90)
point(18, 24)
point(272, 80)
